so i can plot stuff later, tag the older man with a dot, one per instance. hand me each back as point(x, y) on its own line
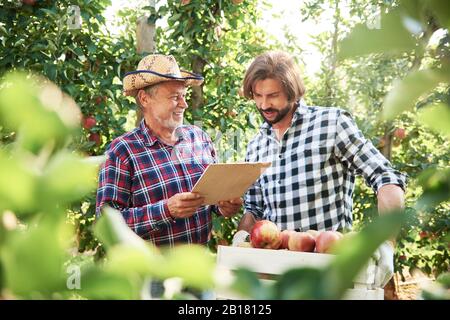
point(150, 171)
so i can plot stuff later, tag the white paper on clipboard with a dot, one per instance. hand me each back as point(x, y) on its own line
point(226, 181)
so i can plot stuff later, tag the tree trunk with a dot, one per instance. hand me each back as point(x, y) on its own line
point(387, 148)
point(333, 55)
point(145, 43)
point(198, 66)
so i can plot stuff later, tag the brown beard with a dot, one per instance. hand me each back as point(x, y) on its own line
point(280, 114)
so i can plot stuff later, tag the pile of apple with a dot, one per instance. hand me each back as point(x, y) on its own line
point(266, 235)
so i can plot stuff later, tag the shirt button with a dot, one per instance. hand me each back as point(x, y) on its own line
point(279, 181)
point(280, 156)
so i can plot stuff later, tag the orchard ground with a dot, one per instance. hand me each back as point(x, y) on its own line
point(410, 288)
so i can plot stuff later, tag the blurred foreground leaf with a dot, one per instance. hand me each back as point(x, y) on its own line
point(112, 230)
point(407, 91)
point(436, 187)
point(39, 114)
point(437, 118)
point(192, 263)
point(67, 178)
point(352, 254)
point(33, 260)
point(391, 37)
point(97, 283)
point(18, 186)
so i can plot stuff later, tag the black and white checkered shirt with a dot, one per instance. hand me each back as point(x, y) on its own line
point(311, 180)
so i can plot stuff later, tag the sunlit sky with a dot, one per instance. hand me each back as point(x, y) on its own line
point(283, 14)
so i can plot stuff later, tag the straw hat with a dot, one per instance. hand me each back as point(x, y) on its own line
point(156, 68)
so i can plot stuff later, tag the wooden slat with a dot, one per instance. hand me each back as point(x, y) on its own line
point(278, 261)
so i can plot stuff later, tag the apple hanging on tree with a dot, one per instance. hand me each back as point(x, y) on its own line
point(95, 137)
point(29, 2)
point(89, 122)
point(400, 133)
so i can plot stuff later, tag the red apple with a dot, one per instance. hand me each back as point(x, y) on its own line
point(423, 234)
point(285, 238)
point(96, 138)
point(326, 241)
point(265, 234)
point(301, 241)
point(98, 100)
point(232, 113)
point(400, 133)
point(89, 122)
point(314, 233)
point(29, 2)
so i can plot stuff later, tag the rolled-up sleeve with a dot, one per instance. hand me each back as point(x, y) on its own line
point(360, 156)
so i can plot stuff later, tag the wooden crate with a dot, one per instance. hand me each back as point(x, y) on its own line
point(273, 262)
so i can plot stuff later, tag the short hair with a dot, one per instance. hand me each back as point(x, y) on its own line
point(275, 65)
point(150, 90)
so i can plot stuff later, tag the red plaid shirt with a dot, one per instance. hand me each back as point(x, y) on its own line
point(141, 173)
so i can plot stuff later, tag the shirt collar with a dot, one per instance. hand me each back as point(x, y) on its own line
point(150, 138)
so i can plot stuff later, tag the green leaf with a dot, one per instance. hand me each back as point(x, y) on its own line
point(441, 10)
point(33, 261)
point(100, 284)
point(436, 187)
point(300, 283)
point(17, 186)
point(247, 284)
point(22, 107)
point(112, 229)
point(353, 253)
point(405, 92)
point(67, 178)
point(437, 117)
point(192, 263)
point(392, 37)
point(131, 261)
point(49, 12)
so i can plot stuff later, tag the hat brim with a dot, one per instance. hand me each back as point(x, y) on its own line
point(136, 80)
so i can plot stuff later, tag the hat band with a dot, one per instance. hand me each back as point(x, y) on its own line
point(168, 76)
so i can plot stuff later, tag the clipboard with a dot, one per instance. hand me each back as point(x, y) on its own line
point(226, 181)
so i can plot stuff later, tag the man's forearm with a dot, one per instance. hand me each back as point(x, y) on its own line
point(390, 197)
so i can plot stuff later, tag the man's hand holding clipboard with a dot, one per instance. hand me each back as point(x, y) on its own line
point(227, 181)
